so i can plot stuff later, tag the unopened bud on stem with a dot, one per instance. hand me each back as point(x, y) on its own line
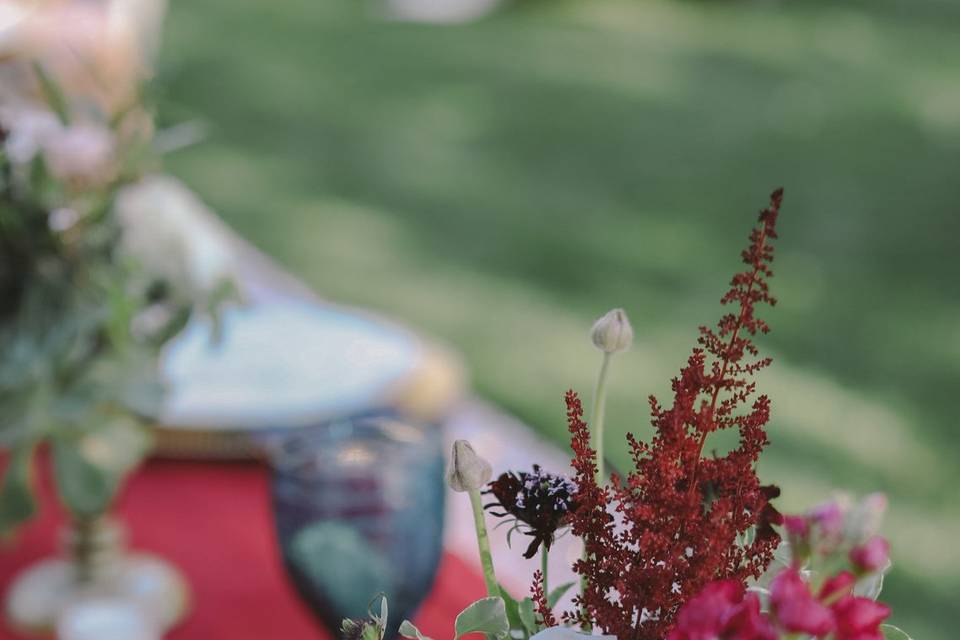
point(468, 471)
point(612, 332)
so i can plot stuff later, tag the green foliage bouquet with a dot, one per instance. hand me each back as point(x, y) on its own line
point(92, 281)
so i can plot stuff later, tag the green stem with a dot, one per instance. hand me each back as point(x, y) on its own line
point(483, 542)
point(596, 428)
point(596, 416)
point(544, 558)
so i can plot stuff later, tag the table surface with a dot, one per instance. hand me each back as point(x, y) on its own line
point(213, 521)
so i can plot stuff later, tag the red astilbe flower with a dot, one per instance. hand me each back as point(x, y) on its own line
point(682, 517)
point(540, 604)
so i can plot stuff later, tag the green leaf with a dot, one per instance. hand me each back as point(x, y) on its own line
point(119, 446)
point(372, 631)
point(52, 93)
point(85, 488)
point(408, 630)
point(331, 554)
point(487, 616)
point(513, 613)
point(527, 616)
point(384, 611)
point(554, 596)
point(379, 619)
point(16, 494)
point(891, 632)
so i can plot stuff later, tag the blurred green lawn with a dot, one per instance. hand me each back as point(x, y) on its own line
point(501, 184)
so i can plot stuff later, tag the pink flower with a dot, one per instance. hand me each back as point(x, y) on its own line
point(829, 520)
point(837, 586)
point(795, 607)
point(871, 556)
point(703, 616)
point(748, 623)
point(796, 526)
point(722, 612)
point(859, 618)
point(82, 152)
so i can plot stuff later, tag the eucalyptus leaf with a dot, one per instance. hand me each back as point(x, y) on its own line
point(891, 632)
point(555, 594)
point(527, 616)
point(85, 488)
point(513, 613)
point(487, 615)
point(331, 556)
point(408, 630)
point(16, 493)
point(118, 445)
point(14, 419)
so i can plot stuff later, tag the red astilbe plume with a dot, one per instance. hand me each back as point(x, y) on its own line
point(683, 519)
point(540, 604)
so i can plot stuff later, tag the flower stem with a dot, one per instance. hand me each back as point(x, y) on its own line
point(597, 414)
point(596, 429)
point(544, 561)
point(483, 542)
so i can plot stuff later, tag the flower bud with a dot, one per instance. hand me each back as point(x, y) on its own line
point(468, 471)
point(612, 332)
point(871, 556)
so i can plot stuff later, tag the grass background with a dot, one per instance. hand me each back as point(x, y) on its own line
point(501, 184)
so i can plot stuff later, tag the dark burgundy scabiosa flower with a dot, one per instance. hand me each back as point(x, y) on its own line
point(541, 503)
point(681, 516)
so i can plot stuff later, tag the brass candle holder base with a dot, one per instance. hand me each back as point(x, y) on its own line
point(96, 564)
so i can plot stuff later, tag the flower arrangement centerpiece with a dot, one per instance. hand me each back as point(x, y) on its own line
point(95, 277)
point(688, 545)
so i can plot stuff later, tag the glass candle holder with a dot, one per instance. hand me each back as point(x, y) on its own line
point(358, 508)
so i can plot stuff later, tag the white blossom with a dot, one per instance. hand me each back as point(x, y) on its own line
point(174, 236)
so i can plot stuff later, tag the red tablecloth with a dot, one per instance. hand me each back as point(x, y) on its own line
point(213, 521)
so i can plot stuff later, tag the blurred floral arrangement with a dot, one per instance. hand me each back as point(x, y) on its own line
point(687, 546)
point(102, 260)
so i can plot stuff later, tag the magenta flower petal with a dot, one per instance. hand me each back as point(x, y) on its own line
point(795, 607)
point(872, 555)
